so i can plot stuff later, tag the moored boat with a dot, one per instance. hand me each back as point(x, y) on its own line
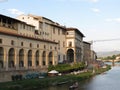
point(75, 85)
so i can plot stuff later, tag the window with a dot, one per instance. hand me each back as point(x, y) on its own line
point(23, 26)
point(63, 57)
point(55, 48)
point(1, 41)
point(21, 43)
point(44, 46)
point(70, 44)
point(58, 57)
point(54, 30)
point(58, 31)
point(30, 44)
point(59, 45)
point(67, 33)
point(12, 42)
point(63, 44)
point(37, 45)
point(36, 32)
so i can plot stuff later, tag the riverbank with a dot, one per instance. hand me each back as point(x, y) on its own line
point(32, 84)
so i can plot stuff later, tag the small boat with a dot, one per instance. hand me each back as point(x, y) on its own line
point(74, 86)
point(62, 83)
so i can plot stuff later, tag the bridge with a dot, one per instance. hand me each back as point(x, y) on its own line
point(112, 61)
point(116, 60)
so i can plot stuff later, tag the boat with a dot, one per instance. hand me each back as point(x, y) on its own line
point(74, 86)
point(62, 83)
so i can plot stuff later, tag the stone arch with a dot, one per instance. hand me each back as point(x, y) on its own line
point(44, 58)
point(1, 57)
point(37, 58)
point(50, 58)
point(21, 58)
point(70, 55)
point(11, 58)
point(29, 58)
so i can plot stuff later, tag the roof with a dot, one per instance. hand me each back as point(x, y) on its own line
point(86, 42)
point(39, 17)
point(78, 31)
point(3, 16)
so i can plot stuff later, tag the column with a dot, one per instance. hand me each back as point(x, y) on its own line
point(40, 60)
point(53, 59)
point(25, 59)
point(46, 58)
point(74, 56)
point(5, 59)
point(16, 60)
point(33, 60)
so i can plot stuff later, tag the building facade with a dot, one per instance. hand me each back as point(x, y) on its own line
point(87, 52)
point(20, 49)
point(34, 42)
point(74, 42)
point(48, 30)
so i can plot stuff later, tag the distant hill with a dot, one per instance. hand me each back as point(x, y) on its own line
point(110, 53)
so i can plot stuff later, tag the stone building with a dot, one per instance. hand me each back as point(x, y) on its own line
point(87, 52)
point(93, 56)
point(48, 30)
point(74, 48)
point(33, 42)
point(55, 32)
point(20, 49)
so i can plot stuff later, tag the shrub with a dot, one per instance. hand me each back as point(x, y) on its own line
point(66, 68)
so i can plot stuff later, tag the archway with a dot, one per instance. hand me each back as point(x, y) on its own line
point(50, 58)
point(44, 58)
point(21, 58)
point(70, 55)
point(11, 58)
point(1, 57)
point(37, 58)
point(29, 58)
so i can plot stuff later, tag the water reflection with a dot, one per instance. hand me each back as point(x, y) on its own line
point(109, 80)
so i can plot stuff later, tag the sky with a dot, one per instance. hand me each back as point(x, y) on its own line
point(98, 20)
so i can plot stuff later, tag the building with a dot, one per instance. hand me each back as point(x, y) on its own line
point(70, 40)
point(93, 56)
point(87, 52)
point(20, 49)
point(48, 30)
point(32, 43)
point(74, 40)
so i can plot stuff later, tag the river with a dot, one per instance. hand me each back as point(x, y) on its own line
point(109, 80)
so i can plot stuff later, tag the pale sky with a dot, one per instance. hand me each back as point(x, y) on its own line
point(96, 19)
